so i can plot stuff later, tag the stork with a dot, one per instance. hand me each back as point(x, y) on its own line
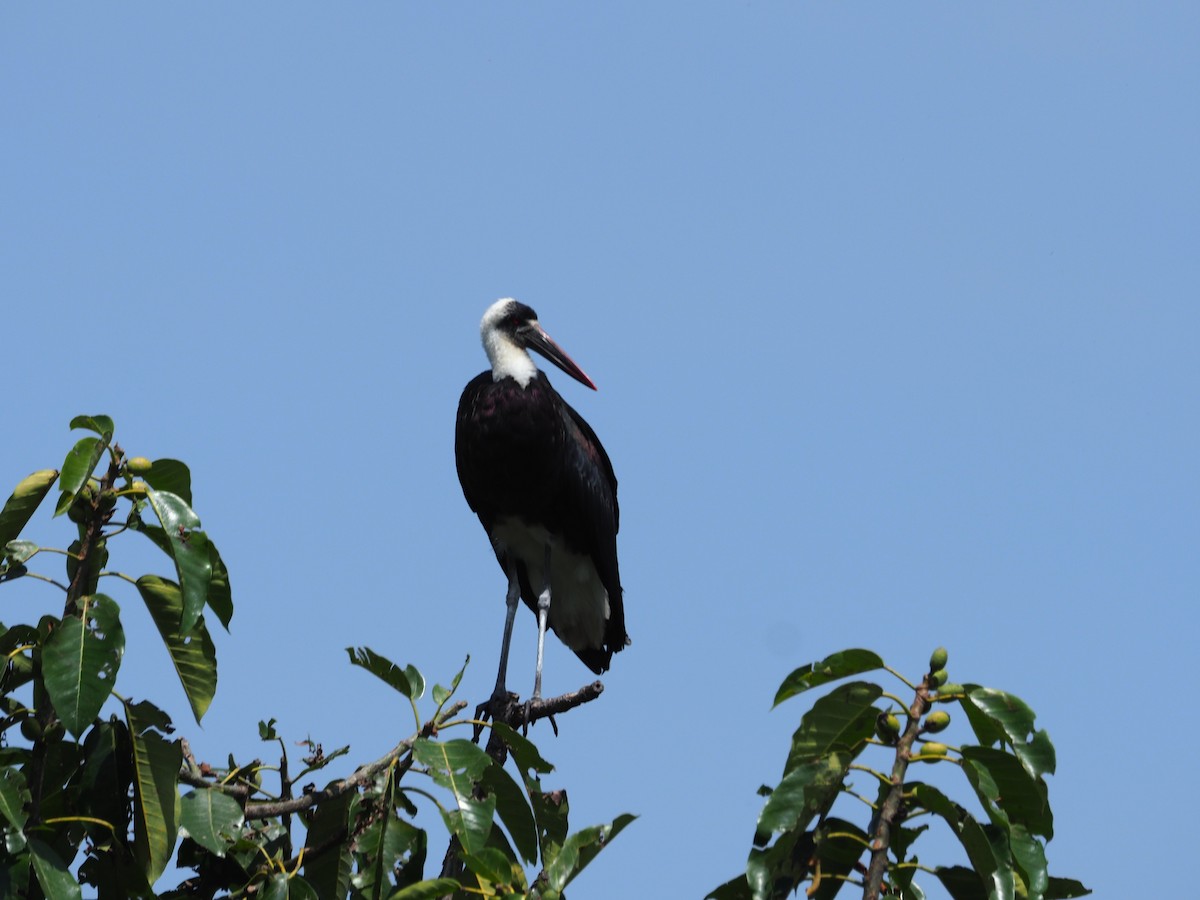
point(543, 487)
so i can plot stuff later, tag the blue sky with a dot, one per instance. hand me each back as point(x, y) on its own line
point(893, 312)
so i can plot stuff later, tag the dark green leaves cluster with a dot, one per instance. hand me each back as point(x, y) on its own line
point(801, 840)
point(112, 803)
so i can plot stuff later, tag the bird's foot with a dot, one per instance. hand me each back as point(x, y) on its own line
point(529, 710)
point(497, 708)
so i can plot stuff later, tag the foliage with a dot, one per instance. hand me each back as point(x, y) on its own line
point(798, 839)
point(109, 801)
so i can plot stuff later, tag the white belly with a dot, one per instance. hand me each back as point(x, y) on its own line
point(578, 601)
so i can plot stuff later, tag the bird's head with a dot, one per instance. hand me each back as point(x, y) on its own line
point(509, 330)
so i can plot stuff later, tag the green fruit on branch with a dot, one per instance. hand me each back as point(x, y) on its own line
point(937, 721)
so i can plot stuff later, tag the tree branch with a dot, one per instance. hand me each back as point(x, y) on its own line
point(890, 809)
point(362, 775)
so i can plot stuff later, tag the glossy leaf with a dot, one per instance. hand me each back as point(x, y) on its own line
point(194, 656)
point(156, 795)
point(14, 794)
point(382, 668)
point(220, 600)
point(1015, 719)
point(77, 468)
point(1065, 889)
point(1030, 857)
point(102, 425)
point(838, 846)
point(172, 476)
point(52, 873)
point(329, 871)
point(442, 694)
point(80, 660)
point(844, 718)
point(806, 791)
point(189, 550)
point(416, 681)
point(432, 889)
point(831, 668)
point(20, 507)
point(210, 818)
point(1007, 791)
point(986, 846)
point(551, 810)
point(580, 849)
point(457, 765)
point(514, 811)
point(524, 753)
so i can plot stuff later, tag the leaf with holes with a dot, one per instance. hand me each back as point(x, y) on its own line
point(80, 661)
point(210, 818)
point(194, 656)
point(189, 549)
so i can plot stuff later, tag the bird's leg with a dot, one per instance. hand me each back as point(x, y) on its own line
point(543, 613)
point(511, 600)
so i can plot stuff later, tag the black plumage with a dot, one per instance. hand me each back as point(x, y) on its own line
point(535, 473)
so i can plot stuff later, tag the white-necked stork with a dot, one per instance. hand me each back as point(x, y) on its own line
point(543, 487)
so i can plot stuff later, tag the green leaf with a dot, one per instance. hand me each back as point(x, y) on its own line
point(831, 668)
point(77, 468)
point(551, 809)
point(189, 550)
point(382, 668)
point(276, 887)
point(52, 873)
point(210, 818)
point(102, 425)
point(442, 694)
point(194, 656)
point(18, 552)
point(156, 794)
point(493, 865)
point(220, 600)
point(80, 661)
point(1007, 791)
point(432, 889)
point(172, 476)
point(842, 719)
point(580, 849)
point(961, 883)
point(416, 681)
point(329, 871)
point(524, 753)
point(1015, 719)
point(457, 765)
point(1065, 889)
point(806, 791)
point(514, 810)
point(837, 854)
point(19, 508)
point(987, 847)
point(13, 796)
point(1030, 857)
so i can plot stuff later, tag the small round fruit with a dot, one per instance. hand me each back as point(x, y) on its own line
point(937, 721)
point(887, 728)
point(950, 688)
point(939, 677)
point(139, 465)
point(934, 749)
point(938, 659)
